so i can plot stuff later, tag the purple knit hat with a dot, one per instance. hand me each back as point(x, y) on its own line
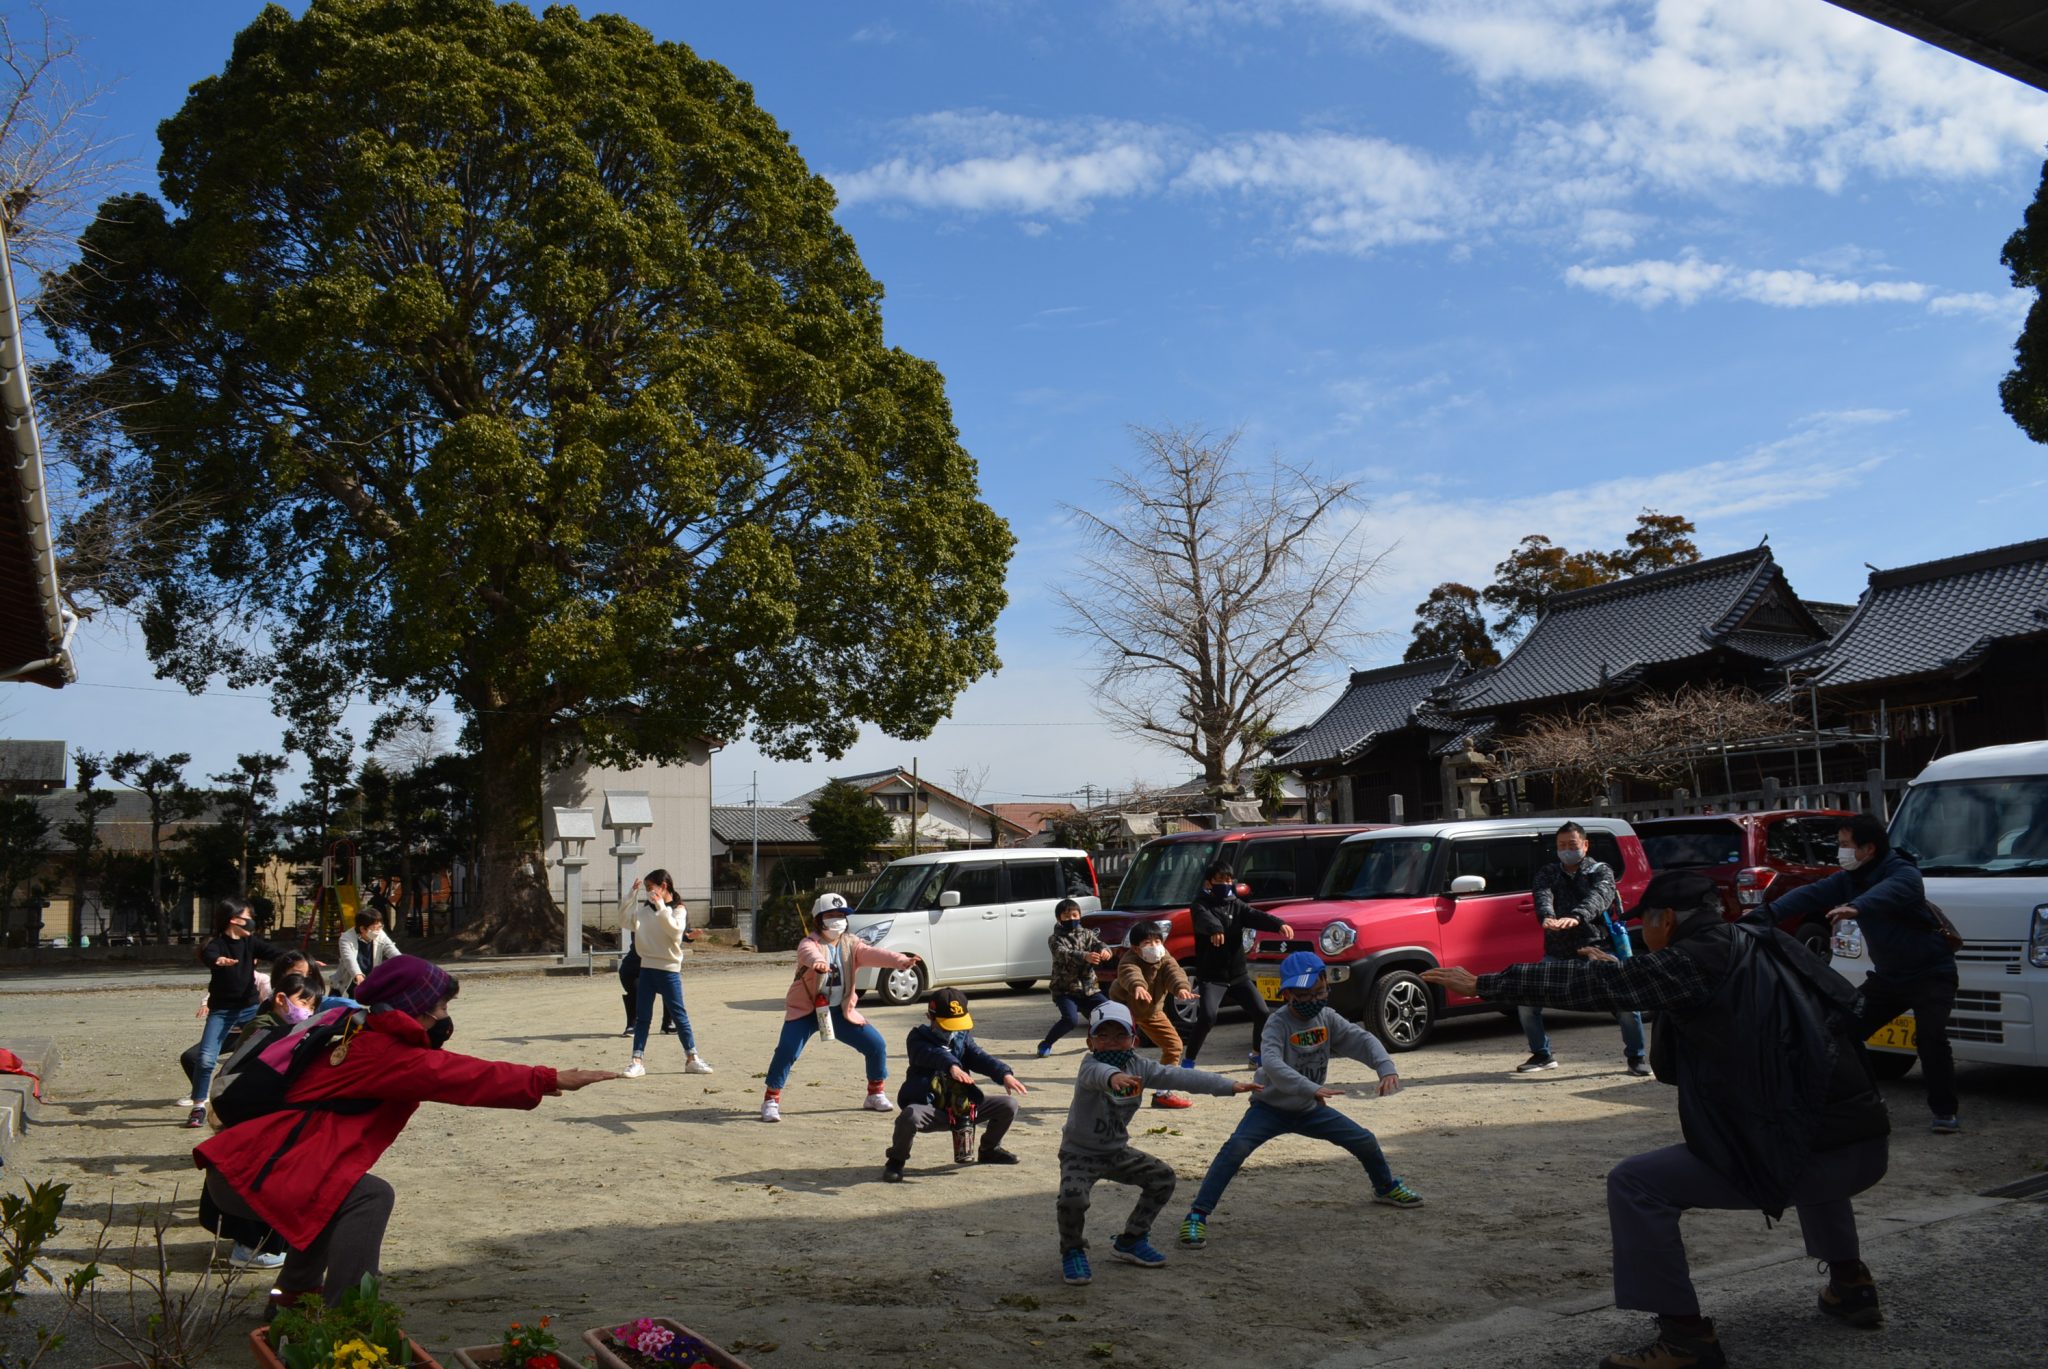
point(405, 983)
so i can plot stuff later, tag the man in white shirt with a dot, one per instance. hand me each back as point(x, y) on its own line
point(364, 949)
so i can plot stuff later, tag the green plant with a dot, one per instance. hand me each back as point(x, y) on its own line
point(530, 1347)
point(168, 1321)
point(27, 1221)
point(360, 1331)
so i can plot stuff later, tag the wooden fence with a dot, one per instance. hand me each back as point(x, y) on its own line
point(1871, 794)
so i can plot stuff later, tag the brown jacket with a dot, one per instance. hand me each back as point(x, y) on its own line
point(1162, 981)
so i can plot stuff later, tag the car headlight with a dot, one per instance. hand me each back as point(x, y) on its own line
point(2037, 939)
point(1848, 939)
point(1250, 938)
point(874, 932)
point(1337, 938)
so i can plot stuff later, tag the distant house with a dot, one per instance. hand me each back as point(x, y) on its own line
point(121, 830)
point(31, 767)
point(773, 834)
point(943, 820)
point(1379, 740)
point(1034, 818)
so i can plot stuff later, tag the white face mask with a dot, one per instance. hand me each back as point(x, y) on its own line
point(1845, 856)
point(1152, 953)
point(833, 926)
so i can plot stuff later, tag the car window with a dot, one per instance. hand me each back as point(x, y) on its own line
point(1316, 854)
point(902, 887)
point(1822, 835)
point(1392, 867)
point(1688, 845)
point(1032, 879)
point(1784, 840)
point(1077, 877)
point(1269, 867)
point(1606, 849)
point(1508, 864)
point(976, 884)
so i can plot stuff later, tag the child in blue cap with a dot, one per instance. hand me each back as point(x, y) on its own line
point(1296, 1047)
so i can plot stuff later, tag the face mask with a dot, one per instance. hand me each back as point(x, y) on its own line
point(1308, 1009)
point(1845, 856)
point(1570, 857)
point(1118, 1060)
point(1067, 926)
point(296, 1012)
point(834, 926)
point(438, 1034)
point(1151, 953)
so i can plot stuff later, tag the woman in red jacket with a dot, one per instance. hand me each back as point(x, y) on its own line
point(305, 1170)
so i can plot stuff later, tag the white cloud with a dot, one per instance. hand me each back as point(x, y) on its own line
point(1339, 191)
point(977, 161)
point(1691, 278)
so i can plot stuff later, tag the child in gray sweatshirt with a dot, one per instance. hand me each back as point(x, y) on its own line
point(1297, 1045)
point(1096, 1142)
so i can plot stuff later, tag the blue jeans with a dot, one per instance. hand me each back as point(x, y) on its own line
point(1631, 1022)
point(1074, 1009)
point(218, 1025)
point(797, 1034)
point(666, 985)
point(1262, 1122)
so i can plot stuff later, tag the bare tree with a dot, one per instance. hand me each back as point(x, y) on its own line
point(54, 164)
point(1215, 596)
point(968, 783)
point(1659, 739)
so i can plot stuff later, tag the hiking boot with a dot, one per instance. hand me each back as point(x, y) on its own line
point(1400, 1195)
point(1535, 1063)
point(1853, 1302)
point(1074, 1266)
point(1136, 1250)
point(1194, 1231)
point(1676, 1347)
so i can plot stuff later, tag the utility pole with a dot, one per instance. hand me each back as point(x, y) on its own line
point(754, 869)
point(915, 789)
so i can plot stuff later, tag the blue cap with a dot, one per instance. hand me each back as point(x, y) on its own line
point(1301, 970)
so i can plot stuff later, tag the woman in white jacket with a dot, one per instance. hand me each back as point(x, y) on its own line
point(660, 927)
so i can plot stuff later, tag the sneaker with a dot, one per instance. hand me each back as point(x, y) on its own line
point(1676, 1347)
point(892, 1174)
point(1255, 1059)
point(1172, 1100)
point(1188, 1063)
point(185, 1103)
point(243, 1257)
point(668, 1029)
point(1044, 1051)
point(1137, 1251)
point(771, 1110)
point(1400, 1195)
point(1074, 1266)
point(878, 1102)
point(695, 1065)
point(1194, 1231)
point(1945, 1126)
point(197, 1119)
point(1638, 1069)
point(1535, 1063)
point(1853, 1303)
point(635, 1070)
point(996, 1155)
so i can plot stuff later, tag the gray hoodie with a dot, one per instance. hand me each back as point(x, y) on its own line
point(1099, 1122)
point(1294, 1056)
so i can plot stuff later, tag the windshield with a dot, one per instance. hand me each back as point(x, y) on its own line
point(902, 887)
point(1166, 874)
point(1976, 827)
point(1396, 868)
point(1679, 846)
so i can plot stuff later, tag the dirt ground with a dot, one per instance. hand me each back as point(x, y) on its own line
point(667, 1195)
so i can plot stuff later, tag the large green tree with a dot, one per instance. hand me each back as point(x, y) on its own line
point(1539, 569)
point(1450, 620)
point(2024, 391)
point(848, 824)
point(517, 359)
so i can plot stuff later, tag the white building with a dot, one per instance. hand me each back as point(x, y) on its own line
point(676, 800)
point(944, 820)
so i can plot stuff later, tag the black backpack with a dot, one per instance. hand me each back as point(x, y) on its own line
point(254, 1082)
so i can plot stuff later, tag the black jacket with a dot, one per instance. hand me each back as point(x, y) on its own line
point(1891, 907)
point(231, 988)
point(1219, 909)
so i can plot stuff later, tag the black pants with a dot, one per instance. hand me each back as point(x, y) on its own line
point(348, 1247)
point(1932, 999)
point(1213, 994)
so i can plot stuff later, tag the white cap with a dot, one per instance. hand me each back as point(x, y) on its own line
point(828, 903)
point(1111, 1012)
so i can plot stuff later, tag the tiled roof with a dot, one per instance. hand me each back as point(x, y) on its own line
point(1599, 638)
point(31, 765)
point(781, 826)
point(1375, 703)
point(122, 827)
point(1029, 816)
point(1938, 617)
point(1830, 616)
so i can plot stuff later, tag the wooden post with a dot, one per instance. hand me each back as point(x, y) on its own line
point(1874, 804)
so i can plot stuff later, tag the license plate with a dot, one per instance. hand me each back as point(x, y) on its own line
point(1269, 989)
point(1895, 1035)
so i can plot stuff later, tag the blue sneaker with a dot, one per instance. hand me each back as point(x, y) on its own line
point(1255, 1059)
point(1074, 1266)
point(1044, 1051)
point(1400, 1195)
point(1194, 1230)
point(1138, 1252)
point(1187, 1064)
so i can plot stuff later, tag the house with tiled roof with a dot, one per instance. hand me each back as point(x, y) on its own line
point(1035, 818)
point(1942, 656)
point(1379, 739)
point(937, 817)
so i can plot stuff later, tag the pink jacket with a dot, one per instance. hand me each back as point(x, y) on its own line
point(813, 963)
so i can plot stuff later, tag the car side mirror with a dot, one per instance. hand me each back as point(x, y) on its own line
point(1468, 884)
point(950, 899)
point(1244, 890)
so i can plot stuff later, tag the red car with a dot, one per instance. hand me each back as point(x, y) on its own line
point(1405, 899)
point(1754, 857)
point(1274, 866)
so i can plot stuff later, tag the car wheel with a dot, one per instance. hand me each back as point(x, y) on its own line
point(1820, 941)
point(1020, 984)
point(1402, 1012)
point(1891, 1064)
point(1187, 1012)
point(901, 987)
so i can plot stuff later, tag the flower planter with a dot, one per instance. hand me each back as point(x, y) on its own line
point(599, 1340)
point(266, 1358)
point(479, 1356)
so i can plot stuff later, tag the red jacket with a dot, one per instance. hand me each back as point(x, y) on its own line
point(310, 1175)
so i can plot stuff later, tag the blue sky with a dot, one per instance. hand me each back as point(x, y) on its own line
point(1517, 265)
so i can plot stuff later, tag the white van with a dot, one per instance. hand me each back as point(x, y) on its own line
point(1977, 822)
point(972, 917)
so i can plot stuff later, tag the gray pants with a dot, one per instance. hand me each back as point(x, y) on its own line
point(1646, 1194)
point(1080, 1171)
point(993, 1117)
point(348, 1247)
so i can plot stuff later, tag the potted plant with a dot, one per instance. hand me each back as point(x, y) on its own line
point(360, 1331)
point(523, 1347)
point(657, 1343)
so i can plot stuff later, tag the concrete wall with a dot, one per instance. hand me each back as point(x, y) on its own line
point(679, 841)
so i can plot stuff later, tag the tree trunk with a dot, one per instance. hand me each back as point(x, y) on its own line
point(514, 911)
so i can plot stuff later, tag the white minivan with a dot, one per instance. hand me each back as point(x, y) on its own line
point(971, 917)
point(1977, 823)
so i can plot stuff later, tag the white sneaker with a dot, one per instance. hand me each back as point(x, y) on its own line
point(695, 1065)
point(771, 1110)
point(878, 1102)
point(182, 1103)
point(635, 1070)
point(244, 1258)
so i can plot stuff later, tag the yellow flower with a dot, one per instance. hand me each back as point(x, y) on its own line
point(357, 1354)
